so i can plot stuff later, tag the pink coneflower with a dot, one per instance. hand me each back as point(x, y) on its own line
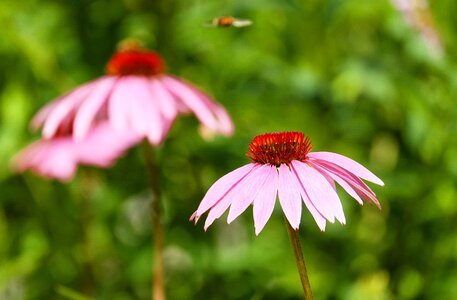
point(135, 95)
point(284, 165)
point(59, 156)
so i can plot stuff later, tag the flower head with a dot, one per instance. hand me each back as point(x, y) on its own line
point(135, 95)
point(284, 166)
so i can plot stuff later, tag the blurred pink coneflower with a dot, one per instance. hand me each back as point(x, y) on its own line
point(284, 165)
point(135, 95)
point(95, 123)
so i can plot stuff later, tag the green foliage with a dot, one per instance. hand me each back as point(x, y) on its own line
point(353, 75)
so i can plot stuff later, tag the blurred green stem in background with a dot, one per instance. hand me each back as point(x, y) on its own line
point(70, 294)
point(158, 278)
point(295, 240)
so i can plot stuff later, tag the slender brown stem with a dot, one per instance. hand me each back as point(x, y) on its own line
point(158, 270)
point(295, 240)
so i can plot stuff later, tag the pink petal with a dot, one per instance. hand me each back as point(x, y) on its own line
point(64, 106)
point(264, 202)
point(289, 196)
point(320, 192)
point(103, 145)
point(247, 191)
point(358, 185)
point(165, 101)
point(318, 217)
point(192, 100)
point(222, 186)
point(223, 118)
point(348, 164)
point(340, 181)
point(221, 206)
point(234, 195)
point(58, 163)
point(92, 105)
point(225, 123)
point(49, 158)
point(26, 157)
point(145, 115)
point(166, 123)
point(43, 114)
point(156, 134)
point(320, 220)
point(133, 106)
point(327, 176)
point(119, 105)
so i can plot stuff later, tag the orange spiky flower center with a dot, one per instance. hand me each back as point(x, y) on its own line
point(135, 62)
point(279, 148)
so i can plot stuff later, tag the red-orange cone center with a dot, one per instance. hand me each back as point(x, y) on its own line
point(279, 148)
point(135, 62)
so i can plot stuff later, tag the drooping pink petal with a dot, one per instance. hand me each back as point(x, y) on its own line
point(232, 195)
point(327, 176)
point(235, 193)
point(166, 124)
point(348, 164)
point(320, 192)
point(119, 106)
point(318, 217)
point(165, 101)
point(103, 145)
point(217, 210)
point(59, 162)
point(222, 186)
point(289, 196)
point(223, 118)
point(49, 158)
point(58, 157)
point(42, 115)
point(358, 185)
point(225, 123)
point(340, 181)
point(191, 100)
point(28, 157)
point(131, 106)
point(247, 191)
point(91, 106)
point(320, 220)
point(264, 202)
point(146, 114)
point(64, 106)
point(158, 109)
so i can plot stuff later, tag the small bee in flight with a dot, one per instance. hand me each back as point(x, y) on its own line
point(228, 21)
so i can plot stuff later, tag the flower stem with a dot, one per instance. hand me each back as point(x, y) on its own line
point(158, 270)
point(295, 241)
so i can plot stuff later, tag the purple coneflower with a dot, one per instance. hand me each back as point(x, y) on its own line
point(135, 95)
point(284, 165)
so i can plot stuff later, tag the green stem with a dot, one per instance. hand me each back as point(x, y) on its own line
point(295, 241)
point(158, 270)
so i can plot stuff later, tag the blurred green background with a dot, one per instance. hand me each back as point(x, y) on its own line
point(358, 77)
